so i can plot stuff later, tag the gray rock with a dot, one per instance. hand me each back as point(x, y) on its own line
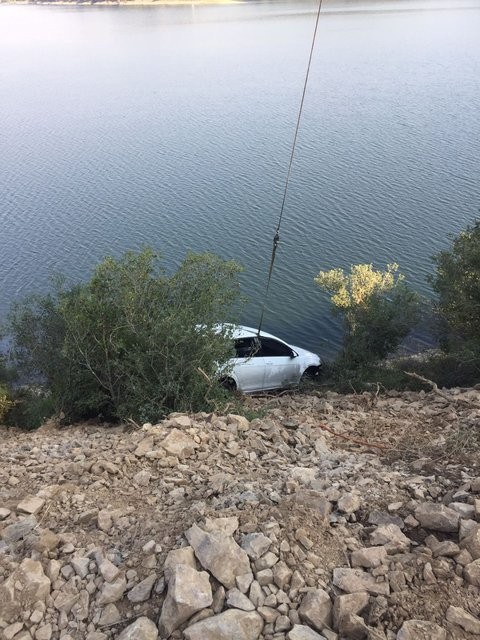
point(237, 600)
point(349, 503)
point(113, 591)
point(437, 517)
point(316, 609)
point(353, 603)
point(145, 446)
point(219, 554)
point(369, 557)
point(314, 500)
point(110, 615)
point(472, 543)
point(31, 505)
point(225, 525)
point(25, 586)
point(44, 632)
point(229, 625)
point(108, 570)
point(4, 513)
point(142, 629)
point(353, 580)
point(391, 537)
point(471, 572)
point(421, 630)
point(143, 589)
point(301, 632)
point(189, 591)
point(255, 545)
point(382, 518)
point(18, 530)
point(281, 574)
point(12, 630)
point(142, 478)
point(184, 555)
point(80, 566)
point(178, 444)
point(459, 616)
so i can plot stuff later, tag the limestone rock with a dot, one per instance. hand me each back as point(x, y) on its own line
point(281, 574)
point(255, 545)
point(225, 525)
point(219, 554)
point(143, 589)
point(349, 503)
point(18, 530)
point(369, 557)
point(472, 543)
point(229, 625)
point(353, 580)
point(459, 616)
point(301, 632)
point(189, 591)
point(26, 585)
point(314, 500)
point(108, 570)
point(316, 609)
point(44, 632)
point(113, 591)
point(142, 478)
point(353, 603)
point(142, 629)
point(391, 537)
point(31, 505)
point(145, 446)
point(178, 444)
point(471, 572)
point(421, 630)
point(437, 517)
point(184, 555)
point(237, 600)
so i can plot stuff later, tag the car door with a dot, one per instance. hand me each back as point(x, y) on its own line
point(282, 367)
point(248, 366)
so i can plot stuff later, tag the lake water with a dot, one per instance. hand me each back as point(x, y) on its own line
point(172, 126)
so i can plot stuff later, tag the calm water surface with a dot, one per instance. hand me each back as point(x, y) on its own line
point(172, 126)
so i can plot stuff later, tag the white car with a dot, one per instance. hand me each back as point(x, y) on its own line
point(264, 362)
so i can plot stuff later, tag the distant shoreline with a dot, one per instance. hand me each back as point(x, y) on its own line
point(119, 3)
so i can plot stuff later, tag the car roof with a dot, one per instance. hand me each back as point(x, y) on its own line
point(241, 331)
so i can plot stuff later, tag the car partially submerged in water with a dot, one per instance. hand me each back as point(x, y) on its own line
point(263, 362)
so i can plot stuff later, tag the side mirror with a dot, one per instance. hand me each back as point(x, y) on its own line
point(294, 354)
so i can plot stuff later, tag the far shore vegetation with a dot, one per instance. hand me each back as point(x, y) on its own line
point(121, 3)
point(135, 342)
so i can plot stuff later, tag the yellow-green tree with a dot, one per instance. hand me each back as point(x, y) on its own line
point(378, 310)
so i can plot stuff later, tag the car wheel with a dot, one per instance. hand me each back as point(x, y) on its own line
point(312, 373)
point(229, 384)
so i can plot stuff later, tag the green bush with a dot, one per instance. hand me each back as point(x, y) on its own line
point(6, 403)
point(457, 282)
point(30, 409)
point(378, 311)
point(132, 342)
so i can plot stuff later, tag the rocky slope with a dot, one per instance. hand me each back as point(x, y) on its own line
point(331, 517)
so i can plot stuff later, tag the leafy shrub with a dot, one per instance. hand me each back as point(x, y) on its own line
point(457, 282)
point(31, 408)
point(6, 403)
point(132, 342)
point(377, 307)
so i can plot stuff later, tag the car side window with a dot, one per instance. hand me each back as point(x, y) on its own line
point(247, 348)
point(273, 348)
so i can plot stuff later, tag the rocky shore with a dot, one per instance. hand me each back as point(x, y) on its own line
point(335, 517)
